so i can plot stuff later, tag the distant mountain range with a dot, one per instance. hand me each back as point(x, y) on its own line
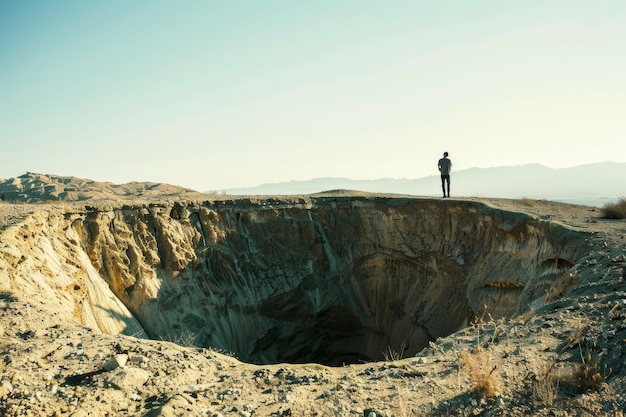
point(591, 184)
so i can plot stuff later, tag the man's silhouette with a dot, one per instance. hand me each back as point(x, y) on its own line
point(445, 165)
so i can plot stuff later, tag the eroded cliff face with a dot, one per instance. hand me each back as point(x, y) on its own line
point(331, 280)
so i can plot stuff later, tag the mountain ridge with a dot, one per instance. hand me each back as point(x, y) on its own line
point(34, 187)
point(588, 184)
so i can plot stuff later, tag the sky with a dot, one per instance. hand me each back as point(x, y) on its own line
point(212, 95)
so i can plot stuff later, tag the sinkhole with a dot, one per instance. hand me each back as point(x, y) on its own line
point(341, 281)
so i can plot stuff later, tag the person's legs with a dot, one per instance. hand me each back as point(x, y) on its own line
point(445, 180)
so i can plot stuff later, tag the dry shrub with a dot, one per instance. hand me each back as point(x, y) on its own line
point(482, 371)
point(615, 210)
point(589, 375)
point(528, 201)
point(570, 380)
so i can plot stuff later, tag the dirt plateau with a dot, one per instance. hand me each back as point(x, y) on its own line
point(335, 304)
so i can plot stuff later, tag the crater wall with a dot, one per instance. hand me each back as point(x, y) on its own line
point(330, 280)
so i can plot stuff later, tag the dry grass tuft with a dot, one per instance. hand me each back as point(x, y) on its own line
point(545, 390)
point(482, 371)
point(393, 355)
point(615, 210)
point(185, 339)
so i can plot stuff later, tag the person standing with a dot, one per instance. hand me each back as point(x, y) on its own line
point(445, 166)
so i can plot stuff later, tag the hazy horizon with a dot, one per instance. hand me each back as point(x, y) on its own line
point(433, 174)
point(218, 95)
point(590, 184)
point(293, 180)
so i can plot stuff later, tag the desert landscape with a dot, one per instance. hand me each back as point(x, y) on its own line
point(146, 299)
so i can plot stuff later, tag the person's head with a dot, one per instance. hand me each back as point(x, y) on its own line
point(445, 154)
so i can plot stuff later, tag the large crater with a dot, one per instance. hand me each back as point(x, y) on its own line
point(332, 280)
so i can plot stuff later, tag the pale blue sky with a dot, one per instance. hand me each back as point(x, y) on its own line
point(221, 94)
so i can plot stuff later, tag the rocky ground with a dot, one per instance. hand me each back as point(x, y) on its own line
point(563, 358)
